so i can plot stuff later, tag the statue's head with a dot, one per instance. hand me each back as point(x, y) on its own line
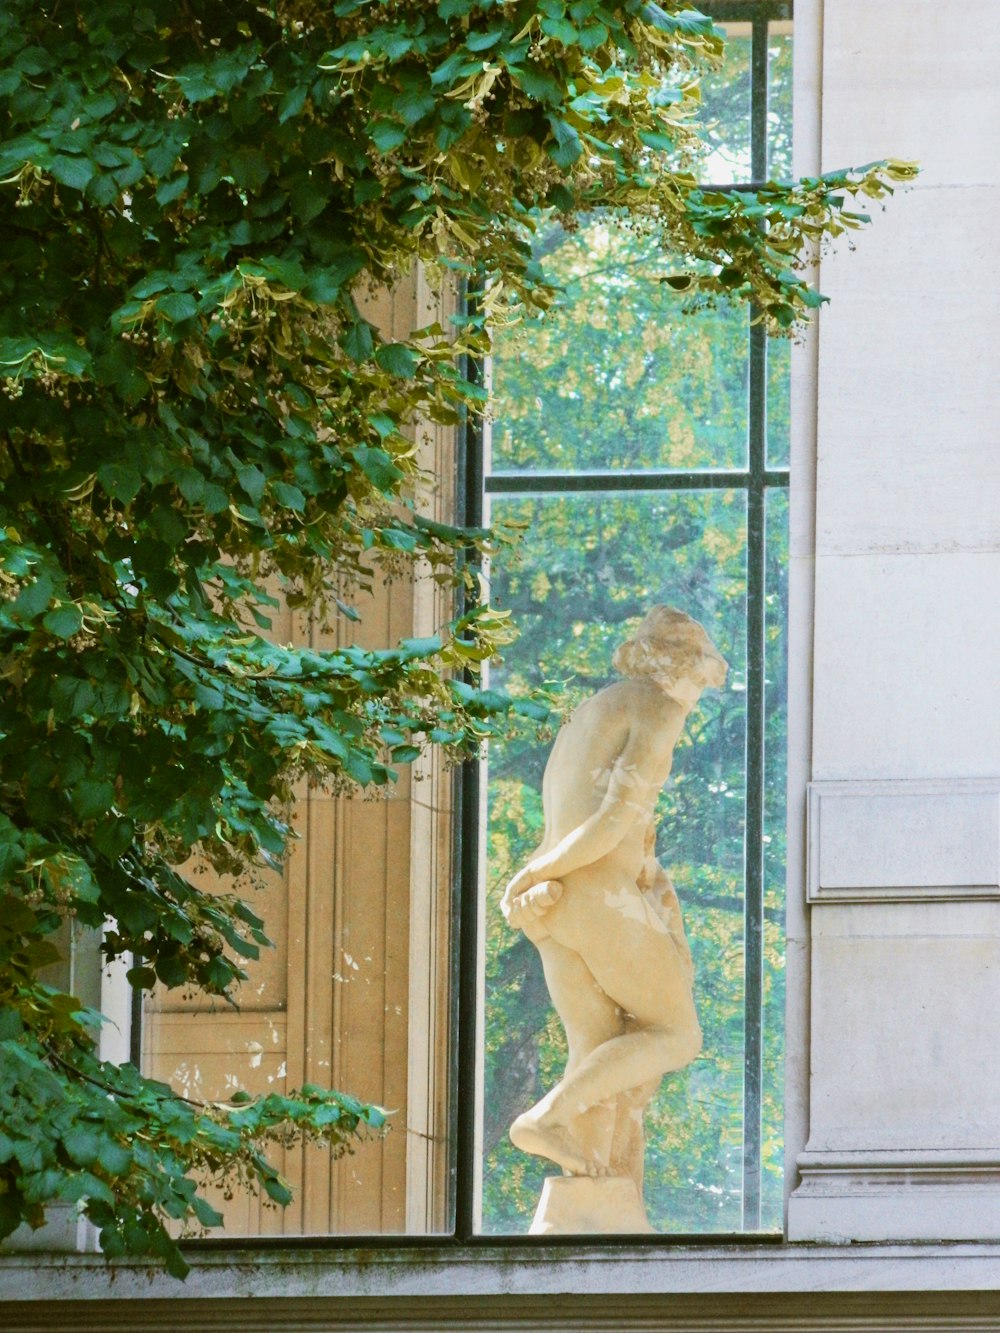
point(672, 647)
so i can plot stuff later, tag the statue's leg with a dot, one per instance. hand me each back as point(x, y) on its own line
point(590, 1019)
point(634, 960)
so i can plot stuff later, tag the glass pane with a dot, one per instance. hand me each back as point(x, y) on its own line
point(617, 376)
point(355, 995)
point(775, 780)
point(590, 567)
point(779, 101)
point(779, 365)
point(725, 112)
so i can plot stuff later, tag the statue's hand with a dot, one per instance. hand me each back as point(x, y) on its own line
point(521, 883)
point(524, 900)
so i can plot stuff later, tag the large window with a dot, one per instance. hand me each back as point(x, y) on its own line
point(644, 451)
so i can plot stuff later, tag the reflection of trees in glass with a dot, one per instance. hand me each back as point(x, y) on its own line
point(725, 109)
point(779, 364)
point(775, 783)
point(725, 112)
point(779, 105)
point(618, 376)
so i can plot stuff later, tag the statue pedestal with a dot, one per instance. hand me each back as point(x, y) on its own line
point(589, 1205)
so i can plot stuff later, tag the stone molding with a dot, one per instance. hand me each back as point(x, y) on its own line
point(922, 1195)
point(903, 841)
point(904, 1133)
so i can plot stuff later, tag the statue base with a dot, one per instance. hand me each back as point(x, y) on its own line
point(589, 1205)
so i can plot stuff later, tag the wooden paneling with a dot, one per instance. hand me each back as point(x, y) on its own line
point(355, 994)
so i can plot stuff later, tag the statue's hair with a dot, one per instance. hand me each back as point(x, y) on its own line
point(668, 644)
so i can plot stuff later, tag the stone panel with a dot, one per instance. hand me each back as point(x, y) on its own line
point(906, 653)
point(914, 80)
point(909, 435)
point(873, 841)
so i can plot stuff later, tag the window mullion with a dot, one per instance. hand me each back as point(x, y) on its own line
point(465, 955)
point(753, 929)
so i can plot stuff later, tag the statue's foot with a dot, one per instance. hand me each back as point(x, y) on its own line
point(534, 1133)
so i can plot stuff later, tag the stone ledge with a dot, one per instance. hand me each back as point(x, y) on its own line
point(435, 1272)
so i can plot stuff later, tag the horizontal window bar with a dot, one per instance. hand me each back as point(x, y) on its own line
point(723, 10)
point(517, 483)
point(588, 1244)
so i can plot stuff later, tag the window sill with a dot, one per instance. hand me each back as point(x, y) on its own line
point(434, 1273)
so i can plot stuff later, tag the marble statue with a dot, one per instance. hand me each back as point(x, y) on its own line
point(605, 918)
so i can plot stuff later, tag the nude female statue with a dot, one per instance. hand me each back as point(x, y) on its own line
point(603, 913)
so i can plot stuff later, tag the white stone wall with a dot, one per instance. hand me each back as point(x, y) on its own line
point(896, 1126)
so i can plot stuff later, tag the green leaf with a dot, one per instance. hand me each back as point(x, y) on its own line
point(432, 643)
point(561, 29)
point(177, 306)
point(386, 135)
point(205, 1213)
point(76, 172)
point(172, 190)
point(93, 798)
point(404, 754)
point(562, 198)
point(72, 697)
point(398, 359)
point(253, 481)
point(538, 84)
point(276, 1189)
point(114, 1157)
point(34, 599)
point(378, 467)
point(484, 41)
point(191, 485)
point(411, 106)
point(113, 837)
point(64, 621)
point(143, 978)
point(456, 66)
point(358, 341)
point(290, 497)
point(120, 480)
point(82, 1144)
point(292, 103)
point(656, 139)
point(385, 425)
point(567, 147)
point(11, 1028)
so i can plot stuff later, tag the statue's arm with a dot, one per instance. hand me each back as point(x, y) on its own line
point(636, 776)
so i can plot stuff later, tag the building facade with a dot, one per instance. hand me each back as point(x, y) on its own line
point(892, 1128)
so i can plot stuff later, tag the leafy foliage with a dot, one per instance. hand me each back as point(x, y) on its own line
point(194, 201)
point(78, 1130)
